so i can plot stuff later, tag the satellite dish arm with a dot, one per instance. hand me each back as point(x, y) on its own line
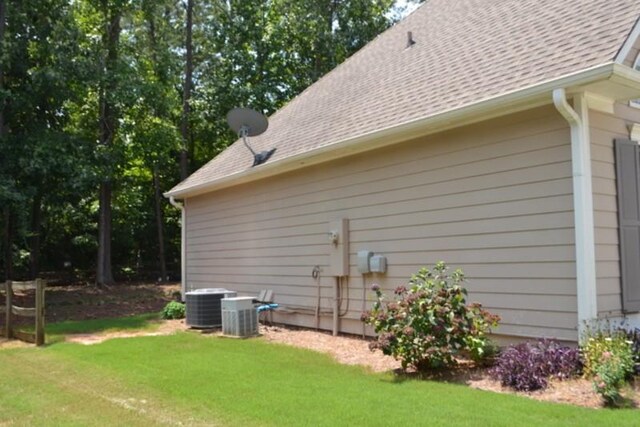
point(244, 130)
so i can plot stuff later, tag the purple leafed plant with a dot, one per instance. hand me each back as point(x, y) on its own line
point(528, 366)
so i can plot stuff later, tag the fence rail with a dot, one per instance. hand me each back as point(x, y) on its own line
point(10, 310)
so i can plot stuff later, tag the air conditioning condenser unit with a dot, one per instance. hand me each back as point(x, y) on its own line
point(239, 317)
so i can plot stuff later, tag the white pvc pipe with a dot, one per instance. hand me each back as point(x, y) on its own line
point(336, 307)
point(183, 246)
point(578, 118)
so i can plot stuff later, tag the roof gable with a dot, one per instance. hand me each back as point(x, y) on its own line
point(630, 50)
point(465, 51)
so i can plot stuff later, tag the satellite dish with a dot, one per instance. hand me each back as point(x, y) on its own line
point(247, 122)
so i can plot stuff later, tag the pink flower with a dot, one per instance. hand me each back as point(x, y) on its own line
point(606, 355)
point(602, 385)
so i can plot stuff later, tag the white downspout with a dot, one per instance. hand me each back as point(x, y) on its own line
point(578, 119)
point(183, 245)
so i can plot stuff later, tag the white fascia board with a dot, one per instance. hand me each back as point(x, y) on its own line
point(510, 102)
point(624, 51)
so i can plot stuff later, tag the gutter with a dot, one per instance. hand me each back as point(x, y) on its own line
point(517, 100)
point(183, 245)
point(578, 119)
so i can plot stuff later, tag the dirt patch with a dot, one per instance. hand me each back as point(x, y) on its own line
point(165, 327)
point(5, 343)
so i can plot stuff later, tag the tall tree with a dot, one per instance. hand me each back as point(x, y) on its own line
point(186, 94)
point(6, 211)
point(108, 123)
point(154, 136)
point(37, 57)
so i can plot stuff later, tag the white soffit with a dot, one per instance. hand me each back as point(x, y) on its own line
point(599, 103)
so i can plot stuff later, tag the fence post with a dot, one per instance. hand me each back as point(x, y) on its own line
point(40, 285)
point(9, 297)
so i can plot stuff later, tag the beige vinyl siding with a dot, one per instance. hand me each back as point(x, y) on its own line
point(605, 128)
point(493, 198)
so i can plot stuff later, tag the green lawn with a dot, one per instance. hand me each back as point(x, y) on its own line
point(203, 380)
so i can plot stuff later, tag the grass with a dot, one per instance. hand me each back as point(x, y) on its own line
point(204, 380)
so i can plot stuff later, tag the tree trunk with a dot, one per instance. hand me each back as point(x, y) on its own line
point(7, 243)
point(159, 225)
point(35, 239)
point(6, 211)
point(186, 95)
point(3, 17)
point(104, 274)
point(108, 124)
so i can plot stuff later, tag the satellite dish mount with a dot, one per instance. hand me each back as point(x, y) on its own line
point(246, 122)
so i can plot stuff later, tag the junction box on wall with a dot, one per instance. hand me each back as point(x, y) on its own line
point(339, 249)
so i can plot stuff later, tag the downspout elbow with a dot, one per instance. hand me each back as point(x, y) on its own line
point(175, 204)
point(562, 105)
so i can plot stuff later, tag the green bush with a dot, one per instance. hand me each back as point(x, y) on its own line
point(173, 310)
point(608, 361)
point(429, 324)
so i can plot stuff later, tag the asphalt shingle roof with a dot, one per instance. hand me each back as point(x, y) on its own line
point(465, 51)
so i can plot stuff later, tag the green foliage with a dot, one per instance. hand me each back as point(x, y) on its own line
point(430, 323)
point(610, 376)
point(609, 361)
point(173, 310)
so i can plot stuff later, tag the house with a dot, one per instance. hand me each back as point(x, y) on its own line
point(479, 132)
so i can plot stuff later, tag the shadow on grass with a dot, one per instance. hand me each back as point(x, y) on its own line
point(461, 374)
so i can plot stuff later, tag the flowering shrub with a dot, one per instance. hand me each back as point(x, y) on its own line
point(528, 366)
point(600, 342)
point(609, 361)
point(610, 376)
point(429, 322)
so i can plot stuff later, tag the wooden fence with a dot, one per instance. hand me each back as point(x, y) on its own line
point(12, 310)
